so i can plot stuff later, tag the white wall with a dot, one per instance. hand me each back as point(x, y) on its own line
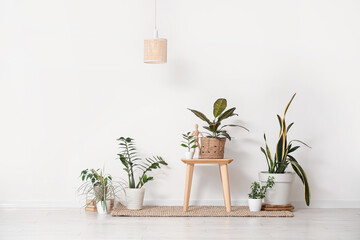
point(72, 80)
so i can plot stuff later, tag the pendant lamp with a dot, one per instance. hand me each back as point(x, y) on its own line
point(155, 49)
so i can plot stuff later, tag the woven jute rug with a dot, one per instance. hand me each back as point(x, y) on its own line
point(195, 211)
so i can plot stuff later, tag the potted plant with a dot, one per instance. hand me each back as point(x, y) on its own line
point(279, 194)
point(100, 186)
point(258, 193)
point(188, 143)
point(132, 162)
point(213, 145)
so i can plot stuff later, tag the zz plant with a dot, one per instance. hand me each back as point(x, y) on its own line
point(283, 156)
point(132, 162)
point(219, 113)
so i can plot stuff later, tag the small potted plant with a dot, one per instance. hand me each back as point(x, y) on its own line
point(100, 186)
point(132, 162)
point(188, 143)
point(258, 193)
point(213, 145)
point(277, 164)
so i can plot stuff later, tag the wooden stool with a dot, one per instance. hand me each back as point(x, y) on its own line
point(223, 175)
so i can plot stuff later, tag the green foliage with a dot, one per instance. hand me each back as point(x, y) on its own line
point(282, 157)
point(132, 162)
point(219, 115)
point(258, 192)
point(189, 141)
point(98, 185)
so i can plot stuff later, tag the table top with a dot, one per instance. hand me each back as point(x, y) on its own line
point(207, 161)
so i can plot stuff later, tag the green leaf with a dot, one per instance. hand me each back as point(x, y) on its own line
point(219, 106)
point(280, 122)
point(234, 125)
point(184, 145)
point(293, 149)
point(200, 115)
point(300, 142)
point(226, 114)
point(301, 173)
point(288, 128)
point(225, 134)
point(288, 105)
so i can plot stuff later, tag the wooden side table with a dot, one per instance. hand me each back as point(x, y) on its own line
point(223, 166)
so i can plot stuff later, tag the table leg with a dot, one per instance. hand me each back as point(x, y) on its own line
point(225, 186)
point(189, 175)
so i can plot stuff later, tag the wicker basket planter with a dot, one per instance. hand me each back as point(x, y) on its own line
point(212, 148)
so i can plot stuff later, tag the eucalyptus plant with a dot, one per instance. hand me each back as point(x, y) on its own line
point(219, 113)
point(99, 185)
point(132, 162)
point(258, 192)
point(282, 157)
point(189, 141)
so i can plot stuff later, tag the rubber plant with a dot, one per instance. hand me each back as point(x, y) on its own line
point(283, 155)
point(132, 162)
point(220, 114)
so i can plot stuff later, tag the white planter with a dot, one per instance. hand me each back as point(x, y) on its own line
point(189, 155)
point(255, 205)
point(279, 194)
point(103, 207)
point(134, 198)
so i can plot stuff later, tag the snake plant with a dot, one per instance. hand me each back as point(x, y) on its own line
point(132, 162)
point(282, 157)
point(219, 115)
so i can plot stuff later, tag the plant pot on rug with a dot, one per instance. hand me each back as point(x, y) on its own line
point(101, 187)
point(258, 193)
point(279, 194)
point(132, 162)
point(212, 147)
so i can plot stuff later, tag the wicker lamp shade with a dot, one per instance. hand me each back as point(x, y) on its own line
point(155, 50)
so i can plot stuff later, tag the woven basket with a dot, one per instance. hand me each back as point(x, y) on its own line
point(212, 148)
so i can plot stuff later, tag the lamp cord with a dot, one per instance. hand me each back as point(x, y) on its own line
point(155, 14)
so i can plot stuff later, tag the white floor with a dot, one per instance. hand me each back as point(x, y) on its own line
point(78, 224)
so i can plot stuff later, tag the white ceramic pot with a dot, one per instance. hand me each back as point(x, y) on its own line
point(255, 205)
point(103, 207)
point(134, 198)
point(279, 194)
point(189, 155)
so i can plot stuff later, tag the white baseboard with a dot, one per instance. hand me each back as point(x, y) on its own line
point(79, 204)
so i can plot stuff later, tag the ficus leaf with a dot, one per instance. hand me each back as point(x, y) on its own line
point(219, 106)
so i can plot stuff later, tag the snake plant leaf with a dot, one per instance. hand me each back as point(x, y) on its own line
point(293, 149)
point(219, 106)
point(290, 125)
point(280, 122)
point(295, 140)
point(301, 173)
point(270, 159)
point(226, 114)
point(201, 116)
point(267, 159)
point(279, 150)
point(288, 105)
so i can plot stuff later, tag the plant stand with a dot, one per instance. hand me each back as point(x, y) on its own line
point(223, 167)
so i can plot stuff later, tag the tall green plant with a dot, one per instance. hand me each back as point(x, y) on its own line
point(282, 157)
point(219, 115)
point(132, 162)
